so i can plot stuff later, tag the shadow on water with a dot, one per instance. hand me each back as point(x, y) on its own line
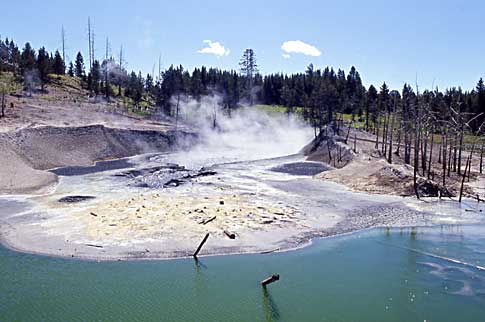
point(271, 311)
point(199, 265)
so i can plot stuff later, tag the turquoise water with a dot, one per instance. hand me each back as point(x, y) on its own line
point(378, 275)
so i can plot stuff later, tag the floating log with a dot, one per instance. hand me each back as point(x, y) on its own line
point(230, 235)
point(271, 279)
point(205, 222)
point(201, 244)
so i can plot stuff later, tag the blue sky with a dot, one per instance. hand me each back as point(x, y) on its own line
point(442, 42)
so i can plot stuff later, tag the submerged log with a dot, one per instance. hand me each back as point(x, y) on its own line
point(230, 235)
point(271, 279)
point(201, 244)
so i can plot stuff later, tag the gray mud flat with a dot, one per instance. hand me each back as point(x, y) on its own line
point(100, 166)
point(75, 199)
point(267, 210)
point(306, 168)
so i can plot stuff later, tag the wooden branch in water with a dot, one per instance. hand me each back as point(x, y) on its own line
point(271, 279)
point(201, 244)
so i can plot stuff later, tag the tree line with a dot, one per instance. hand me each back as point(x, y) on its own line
point(318, 93)
point(405, 123)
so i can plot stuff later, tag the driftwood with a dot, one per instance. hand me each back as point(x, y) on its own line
point(270, 251)
point(271, 279)
point(205, 222)
point(201, 244)
point(92, 245)
point(93, 214)
point(230, 235)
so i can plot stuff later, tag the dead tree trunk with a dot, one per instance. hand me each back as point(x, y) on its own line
point(391, 131)
point(121, 69)
point(445, 142)
point(377, 132)
point(431, 153)
point(177, 112)
point(439, 150)
point(3, 103)
point(424, 152)
point(384, 134)
point(348, 133)
point(481, 157)
point(355, 142)
point(416, 155)
point(449, 161)
point(467, 165)
point(454, 156)
point(460, 149)
point(470, 166)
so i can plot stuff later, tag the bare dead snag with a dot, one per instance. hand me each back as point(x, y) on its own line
point(467, 165)
point(431, 153)
point(481, 158)
point(460, 149)
point(445, 142)
point(449, 162)
point(355, 142)
point(348, 133)
point(391, 131)
point(398, 150)
point(470, 165)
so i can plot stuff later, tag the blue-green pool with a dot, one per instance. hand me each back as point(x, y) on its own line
point(422, 274)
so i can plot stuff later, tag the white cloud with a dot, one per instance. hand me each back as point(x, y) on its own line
point(299, 47)
point(285, 55)
point(214, 48)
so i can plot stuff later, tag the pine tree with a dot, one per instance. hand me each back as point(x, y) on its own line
point(70, 71)
point(79, 66)
point(480, 104)
point(43, 66)
point(95, 77)
point(27, 58)
point(249, 68)
point(59, 66)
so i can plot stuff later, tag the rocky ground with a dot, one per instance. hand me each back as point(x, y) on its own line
point(65, 127)
point(361, 167)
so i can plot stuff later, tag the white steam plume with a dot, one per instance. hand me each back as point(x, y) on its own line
point(246, 134)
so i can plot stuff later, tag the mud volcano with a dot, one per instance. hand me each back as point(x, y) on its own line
point(164, 176)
